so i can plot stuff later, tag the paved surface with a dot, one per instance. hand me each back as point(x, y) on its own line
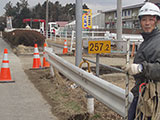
point(21, 100)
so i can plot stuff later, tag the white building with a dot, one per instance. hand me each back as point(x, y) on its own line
point(98, 22)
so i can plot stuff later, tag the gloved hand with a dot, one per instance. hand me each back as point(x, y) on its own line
point(133, 69)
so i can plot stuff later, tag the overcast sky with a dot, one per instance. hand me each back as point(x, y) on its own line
point(92, 4)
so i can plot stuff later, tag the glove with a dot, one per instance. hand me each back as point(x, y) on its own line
point(133, 69)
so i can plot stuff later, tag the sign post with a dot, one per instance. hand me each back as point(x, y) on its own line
point(97, 47)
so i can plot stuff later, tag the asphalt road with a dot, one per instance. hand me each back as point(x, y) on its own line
point(21, 100)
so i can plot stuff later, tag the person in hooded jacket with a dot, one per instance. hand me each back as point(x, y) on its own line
point(146, 64)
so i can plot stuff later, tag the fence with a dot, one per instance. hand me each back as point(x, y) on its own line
point(98, 35)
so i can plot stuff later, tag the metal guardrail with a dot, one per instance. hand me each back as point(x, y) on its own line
point(107, 93)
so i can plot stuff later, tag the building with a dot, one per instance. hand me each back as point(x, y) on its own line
point(107, 19)
point(130, 21)
point(98, 20)
point(129, 18)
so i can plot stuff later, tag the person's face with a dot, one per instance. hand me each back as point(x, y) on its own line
point(148, 23)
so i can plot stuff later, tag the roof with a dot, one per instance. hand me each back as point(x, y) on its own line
point(154, 1)
point(96, 14)
point(127, 7)
point(61, 23)
point(33, 20)
point(71, 23)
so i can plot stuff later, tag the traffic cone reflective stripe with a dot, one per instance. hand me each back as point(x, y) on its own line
point(65, 49)
point(4, 61)
point(45, 63)
point(5, 75)
point(36, 58)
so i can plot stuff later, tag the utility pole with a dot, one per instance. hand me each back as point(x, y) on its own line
point(78, 32)
point(46, 19)
point(119, 20)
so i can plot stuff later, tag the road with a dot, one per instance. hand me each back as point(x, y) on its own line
point(21, 100)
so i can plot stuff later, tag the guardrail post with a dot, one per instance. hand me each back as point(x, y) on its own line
point(66, 35)
point(52, 71)
point(51, 67)
point(90, 99)
point(72, 40)
point(90, 104)
point(92, 35)
point(97, 64)
point(127, 82)
point(60, 35)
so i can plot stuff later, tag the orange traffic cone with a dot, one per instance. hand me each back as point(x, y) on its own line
point(36, 59)
point(5, 75)
point(65, 49)
point(45, 63)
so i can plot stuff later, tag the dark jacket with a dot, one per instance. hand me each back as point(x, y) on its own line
point(148, 55)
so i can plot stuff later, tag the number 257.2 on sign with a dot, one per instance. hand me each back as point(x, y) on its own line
point(99, 47)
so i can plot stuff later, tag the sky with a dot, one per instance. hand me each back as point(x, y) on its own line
point(95, 5)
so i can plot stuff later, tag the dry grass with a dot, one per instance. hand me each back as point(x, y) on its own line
point(67, 103)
